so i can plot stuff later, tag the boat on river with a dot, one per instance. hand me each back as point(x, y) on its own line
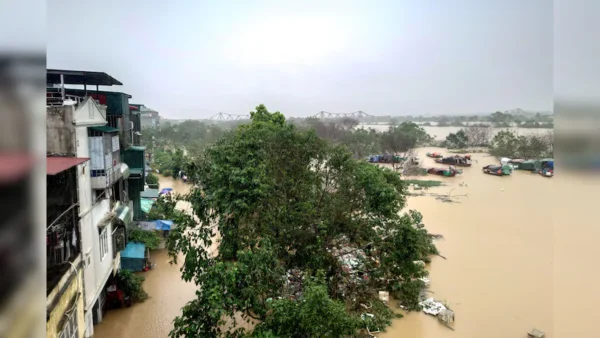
point(446, 172)
point(497, 170)
point(434, 155)
point(457, 161)
point(546, 172)
point(387, 158)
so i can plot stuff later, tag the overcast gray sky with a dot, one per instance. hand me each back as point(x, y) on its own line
point(192, 59)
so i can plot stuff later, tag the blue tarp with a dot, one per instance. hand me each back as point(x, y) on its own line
point(164, 225)
point(134, 250)
point(133, 257)
point(165, 190)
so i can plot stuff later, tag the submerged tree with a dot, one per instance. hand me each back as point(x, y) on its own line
point(280, 200)
point(404, 137)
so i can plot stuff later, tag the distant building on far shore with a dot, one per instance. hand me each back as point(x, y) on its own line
point(148, 117)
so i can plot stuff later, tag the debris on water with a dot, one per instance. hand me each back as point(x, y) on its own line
point(384, 296)
point(369, 317)
point(420, 263)
point(431, 307)
point(425, 281)
point(436, 236)
point(535, 333)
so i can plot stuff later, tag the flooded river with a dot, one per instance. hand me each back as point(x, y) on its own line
point(497, 276)
point(498, 244)
point(440, 133)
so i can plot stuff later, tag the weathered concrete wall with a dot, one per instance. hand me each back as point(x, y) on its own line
point(57, 318)
point(60, 131)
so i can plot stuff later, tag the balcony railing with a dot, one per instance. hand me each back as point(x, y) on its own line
point(55, 98)
point(108, 178)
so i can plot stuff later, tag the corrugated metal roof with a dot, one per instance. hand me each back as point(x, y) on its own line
point(57, 164)
point(105, 129)
point(79, 77)
point(149, 193)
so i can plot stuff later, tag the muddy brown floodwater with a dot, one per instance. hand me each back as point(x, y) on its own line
point(498, 243)
point(168, 294)
point(497, 276)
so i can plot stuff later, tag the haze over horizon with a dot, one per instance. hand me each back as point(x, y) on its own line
point(192, 60)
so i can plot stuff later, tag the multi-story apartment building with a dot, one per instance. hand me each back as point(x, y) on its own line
point(79, 126)
point(149, 118)
point(65, 296)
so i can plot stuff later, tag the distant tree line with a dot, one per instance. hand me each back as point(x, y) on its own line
point(399, 138)
point(505, 143)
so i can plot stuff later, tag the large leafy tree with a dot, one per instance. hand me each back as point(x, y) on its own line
point(282, 200)
point(404, 137)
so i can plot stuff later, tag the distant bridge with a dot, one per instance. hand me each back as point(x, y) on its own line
point(229, 117)
point(354, 115)
point(320, 115)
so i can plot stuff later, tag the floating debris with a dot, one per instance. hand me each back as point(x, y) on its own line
point(446, 316)
point(535, 333)
point(368, 317)
point(436, 236)
point(420, 263)
point(425, 281)
point(384, 296)
point(431, 307)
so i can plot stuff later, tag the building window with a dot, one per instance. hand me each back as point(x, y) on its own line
point(118, 241)
point(70, 329)
point(103, 244)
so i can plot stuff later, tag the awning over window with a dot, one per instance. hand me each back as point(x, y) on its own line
point(105, 129)
point(58, 164)
point(124, 214)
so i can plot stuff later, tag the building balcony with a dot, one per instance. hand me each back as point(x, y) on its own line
point(102, 179)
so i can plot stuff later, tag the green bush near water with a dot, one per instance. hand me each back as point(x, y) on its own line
point(131, 285)
point(149, 238)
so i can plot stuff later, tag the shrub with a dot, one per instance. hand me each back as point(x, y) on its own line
point(131, 284)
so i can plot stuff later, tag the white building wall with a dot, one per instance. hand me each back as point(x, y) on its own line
point(97, 267)
point(102, 263)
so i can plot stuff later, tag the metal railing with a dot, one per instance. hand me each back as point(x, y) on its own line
point(55, 97)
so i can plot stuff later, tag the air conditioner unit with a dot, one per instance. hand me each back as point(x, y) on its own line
point(58, 253)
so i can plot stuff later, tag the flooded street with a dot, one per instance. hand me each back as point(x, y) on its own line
point(497, 276)
point(168, 294)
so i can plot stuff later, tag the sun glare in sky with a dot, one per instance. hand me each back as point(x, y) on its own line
point(289, 41)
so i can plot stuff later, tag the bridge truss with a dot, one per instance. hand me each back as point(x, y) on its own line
point(229, 117)
point(354, 115)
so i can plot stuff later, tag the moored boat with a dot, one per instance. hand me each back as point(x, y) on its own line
point(458, 161)
point(446, 172)
point(546, 172)
point(497, 170)
point(434, 155)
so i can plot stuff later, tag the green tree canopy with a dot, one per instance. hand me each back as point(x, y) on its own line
point(404, 137)
point(281, 200)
